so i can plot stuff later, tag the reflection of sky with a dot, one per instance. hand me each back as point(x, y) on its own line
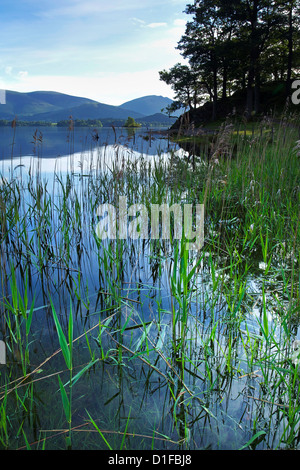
point(90, 158)
point(146, 280)
point(101, 159)
point(57, 141)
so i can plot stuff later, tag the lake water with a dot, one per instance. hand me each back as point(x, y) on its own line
point(127, 287)
point(52, 142)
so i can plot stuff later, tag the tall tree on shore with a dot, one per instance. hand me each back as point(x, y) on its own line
point(261, 20)
point(291, 13)
point(205, 43)
point(235, 44)
point(185, 82)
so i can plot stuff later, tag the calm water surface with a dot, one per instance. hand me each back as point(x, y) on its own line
point(59, 141)
point(121, 390)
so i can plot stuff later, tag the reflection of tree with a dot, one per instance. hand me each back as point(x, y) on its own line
point(131, 131)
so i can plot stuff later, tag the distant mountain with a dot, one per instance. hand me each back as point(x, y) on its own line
point(148, 105)
point(27, 105)
point(87, 111)
point(53, 107)
point(157, 118)
point(60, 100)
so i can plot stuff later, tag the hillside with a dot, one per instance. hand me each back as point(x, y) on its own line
point(29, 105)
point(148, 105)
point(49, 106)
point(53, 106)
point(158, 119)
point(272, 103)
point(88, 111)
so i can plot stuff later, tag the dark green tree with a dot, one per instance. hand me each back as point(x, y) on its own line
point(130, 122)
point(236, 44)
point(186, 84)
point(201, 44)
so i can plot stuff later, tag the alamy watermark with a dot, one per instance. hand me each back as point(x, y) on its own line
point(133, 222)
point(2, 96)
point(296, 95)
point(2, 353)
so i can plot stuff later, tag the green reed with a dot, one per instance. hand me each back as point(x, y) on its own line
point(66, 344)
point(227, 315)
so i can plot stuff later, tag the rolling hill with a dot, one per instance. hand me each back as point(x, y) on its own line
point(53, 107)
point(28, 105)
point(147, 105)
point(157, 119)
point(87, 111)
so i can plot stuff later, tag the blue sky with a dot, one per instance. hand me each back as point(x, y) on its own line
point(107, 50)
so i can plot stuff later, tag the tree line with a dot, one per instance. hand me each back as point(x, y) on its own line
point(9, 123)
point(235, 45)
point(80, 123)
point(62, 123)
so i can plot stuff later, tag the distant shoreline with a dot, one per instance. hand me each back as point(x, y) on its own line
point(9, 123)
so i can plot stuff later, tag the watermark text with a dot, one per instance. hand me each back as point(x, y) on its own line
point(2, 352)
point(133, 222)
point(2, 96)
point(296, 94)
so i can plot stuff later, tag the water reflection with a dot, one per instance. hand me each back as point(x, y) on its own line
point(170, 361)
point(52, 142)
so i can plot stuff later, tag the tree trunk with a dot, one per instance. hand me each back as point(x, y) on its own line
point(250, 92)
point(290, 50)
point(257, 93)
point(224, 85)
point(215, 98)
point(254, 54)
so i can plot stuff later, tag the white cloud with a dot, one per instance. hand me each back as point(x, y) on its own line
point(179, 22)
point(23, 74)
point(156, 25)
point(138, 21)
point(8, 70)
point(78, 8)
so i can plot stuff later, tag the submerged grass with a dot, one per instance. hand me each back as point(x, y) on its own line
point(173, 349)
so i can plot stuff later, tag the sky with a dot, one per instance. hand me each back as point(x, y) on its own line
point(107, 50)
